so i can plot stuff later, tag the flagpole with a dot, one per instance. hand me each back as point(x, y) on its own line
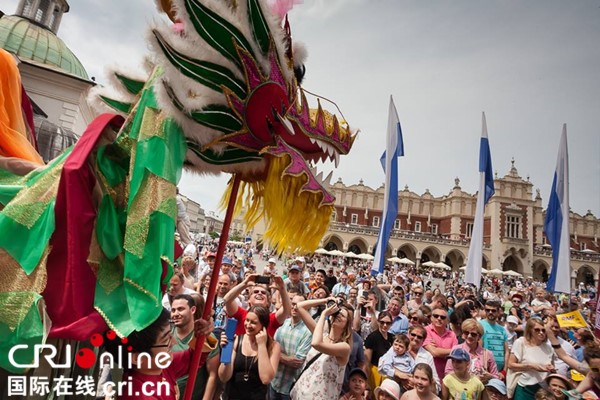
point(210, 296)
point(486, 190)
point(389, 162)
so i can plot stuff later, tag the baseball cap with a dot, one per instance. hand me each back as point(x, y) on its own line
point(390, 387)
point(359, 372)
point(301, 259)
point(577, 376)
point(211, 254)
point(459, 354)
point(227, 260)
point(512, 319)
point(498, 385)
point(273, 260)
point(295, 267)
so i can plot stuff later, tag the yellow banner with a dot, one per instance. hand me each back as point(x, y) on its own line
point(572, 319)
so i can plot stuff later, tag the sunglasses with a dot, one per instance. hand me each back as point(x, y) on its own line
point(414, 318)
point(259, 292)
point(385, 322)
point(539, 330)
point(471, 334)
point(418, 293)
point(417, 336)
point(490, 310)
point(439, 316)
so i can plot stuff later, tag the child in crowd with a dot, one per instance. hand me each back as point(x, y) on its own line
point(544, 394)
point(511, 325)
point(357, 385)
point(388, 390)
point(397, 363)
point(460, 384)
point(424, 385)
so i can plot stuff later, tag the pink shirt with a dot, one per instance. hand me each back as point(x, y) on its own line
point(482, 360)
point(446, 340)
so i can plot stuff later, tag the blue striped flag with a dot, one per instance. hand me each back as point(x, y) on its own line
point(394, 148)
point(556, 225)
point(486, 190)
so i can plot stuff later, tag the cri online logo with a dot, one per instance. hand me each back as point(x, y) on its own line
point(85, 358)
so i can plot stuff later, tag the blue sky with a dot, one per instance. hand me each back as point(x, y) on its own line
point(530, 65)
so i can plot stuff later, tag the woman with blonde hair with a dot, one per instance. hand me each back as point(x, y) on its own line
point(530, 361)
point(482, 365)
point(323, 373)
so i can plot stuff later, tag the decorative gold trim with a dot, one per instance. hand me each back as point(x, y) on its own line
point(142, 289)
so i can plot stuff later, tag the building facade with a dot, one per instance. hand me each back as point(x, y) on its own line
point(196, 215)
point(438, 229)
point(213, 223)
point(51, 74)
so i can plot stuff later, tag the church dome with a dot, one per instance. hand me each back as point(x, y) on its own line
point(34, 43)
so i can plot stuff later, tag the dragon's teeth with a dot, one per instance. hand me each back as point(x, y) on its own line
point(337, 159)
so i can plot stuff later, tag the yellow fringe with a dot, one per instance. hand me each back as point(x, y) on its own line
point(295, 221)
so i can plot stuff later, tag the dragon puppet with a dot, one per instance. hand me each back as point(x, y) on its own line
point(82, 240)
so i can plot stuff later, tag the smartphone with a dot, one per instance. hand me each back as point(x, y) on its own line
point(363, 311)
point(263, 279)
point(365, 294)
point(227, 350)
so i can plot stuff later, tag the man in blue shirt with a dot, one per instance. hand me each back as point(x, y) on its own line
point(495, 338)
point(399, 320)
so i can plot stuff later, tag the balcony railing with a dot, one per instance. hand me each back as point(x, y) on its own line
point(398, 234)
point(575, 254)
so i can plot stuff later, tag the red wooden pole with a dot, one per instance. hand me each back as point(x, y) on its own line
point(210, 297)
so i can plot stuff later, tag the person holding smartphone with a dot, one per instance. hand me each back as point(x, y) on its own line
point(254, 360)
point(260, 295)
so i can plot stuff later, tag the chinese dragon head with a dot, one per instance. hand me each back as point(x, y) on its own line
point(227, 79)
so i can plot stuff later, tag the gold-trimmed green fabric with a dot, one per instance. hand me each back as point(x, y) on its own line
point(21, 322)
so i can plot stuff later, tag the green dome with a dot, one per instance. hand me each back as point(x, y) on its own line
point(37, 44)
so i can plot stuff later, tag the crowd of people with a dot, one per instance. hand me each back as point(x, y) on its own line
point(319, 329)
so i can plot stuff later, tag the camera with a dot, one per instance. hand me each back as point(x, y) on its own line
point(263, 279)
point(332, 303)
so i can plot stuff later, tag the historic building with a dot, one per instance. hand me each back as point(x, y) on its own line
point(51, 74)
point(196, 215)
point(213, 223)
point(439, 228)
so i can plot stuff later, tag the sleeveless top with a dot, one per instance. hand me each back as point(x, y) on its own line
point(245, 382)
point(321, 381)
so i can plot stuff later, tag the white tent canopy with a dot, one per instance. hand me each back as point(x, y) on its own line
point(494, 271)
point(443, 266)
point(365, 256)
point(321, 251)
point(395, 260)
point(337, 253)
point(406, 261)
point(428, 264)
point(351, 254)
point(511, 273)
